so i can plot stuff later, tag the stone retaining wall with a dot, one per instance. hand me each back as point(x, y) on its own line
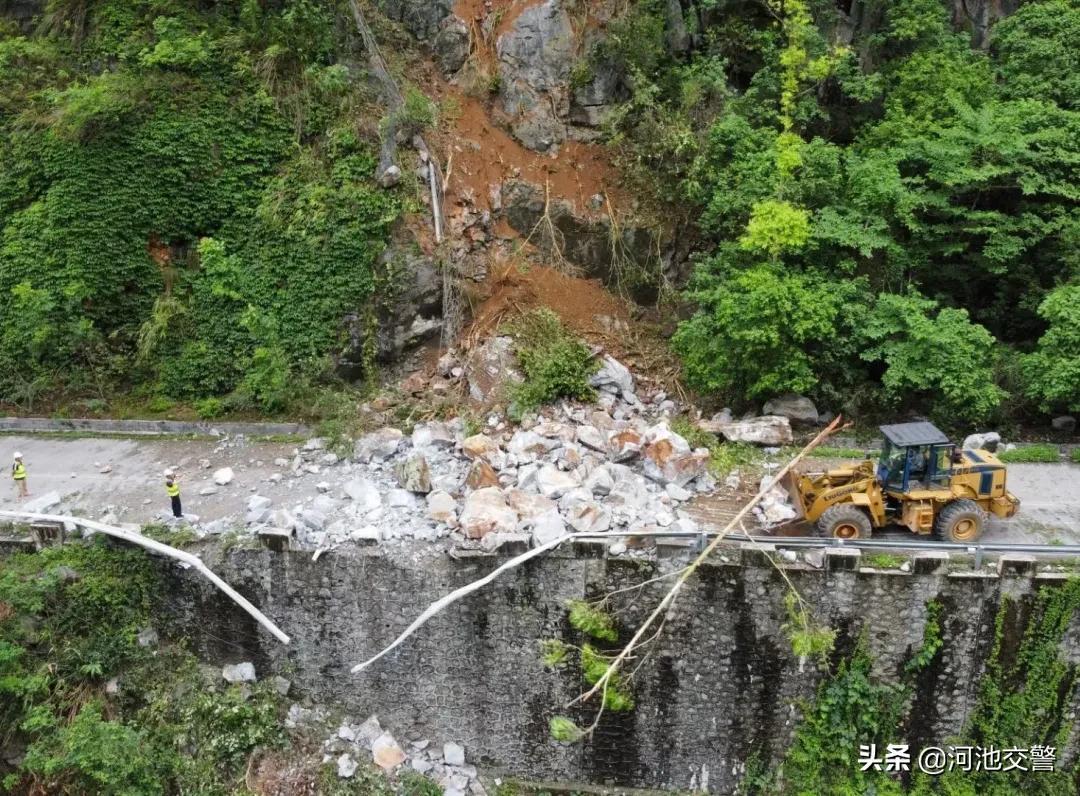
point(720, 684)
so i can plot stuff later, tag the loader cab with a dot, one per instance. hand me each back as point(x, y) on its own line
point(914, 456)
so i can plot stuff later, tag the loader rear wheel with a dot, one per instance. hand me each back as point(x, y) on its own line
point(844, 522)
point(961, 521)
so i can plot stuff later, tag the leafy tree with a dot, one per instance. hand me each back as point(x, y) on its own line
point(759, 332)
point(934, 356)
point(1037, 56)
point(1052, 371)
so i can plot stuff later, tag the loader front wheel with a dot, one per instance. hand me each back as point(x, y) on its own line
point(961, 522)
point(844, 522)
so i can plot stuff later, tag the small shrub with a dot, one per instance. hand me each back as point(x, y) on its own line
point(1031, 454)
point(209, 408)
point(592, 621)
point(159, 403)
point(556, 364)
point(1075, 456)
point(564, 729)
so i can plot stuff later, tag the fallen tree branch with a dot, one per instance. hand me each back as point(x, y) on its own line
point(670, 596)
point(162, 549)
point(438, 606)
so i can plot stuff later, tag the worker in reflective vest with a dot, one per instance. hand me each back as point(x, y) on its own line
point(172, 489)
point(18, 473)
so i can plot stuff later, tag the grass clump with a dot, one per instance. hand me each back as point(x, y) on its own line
point(592, 621)
point(1074, 457)
point(723, 456)
point(1031, 454)
point(556, 364)
point(883, 560)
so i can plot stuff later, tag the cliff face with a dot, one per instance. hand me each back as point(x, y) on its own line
point(24, 12)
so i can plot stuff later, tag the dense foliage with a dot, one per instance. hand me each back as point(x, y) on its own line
point(1023, 701)
point(887, 217)
point(185, 200)
point(95, 711)
point(555, 363)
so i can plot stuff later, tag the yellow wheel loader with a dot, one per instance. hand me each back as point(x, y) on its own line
point(921, 481)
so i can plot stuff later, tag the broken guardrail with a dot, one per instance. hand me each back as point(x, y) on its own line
point(159, 548)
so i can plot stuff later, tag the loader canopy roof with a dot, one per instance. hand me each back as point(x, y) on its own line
point(905, 435)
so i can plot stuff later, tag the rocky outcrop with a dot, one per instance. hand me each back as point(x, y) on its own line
point(587, 242)
point(451, 44)
point(408, 312)
point(535, 58)
point(23, 12)
point(420, 17)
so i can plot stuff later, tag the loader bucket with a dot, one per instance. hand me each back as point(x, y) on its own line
point(790, 483)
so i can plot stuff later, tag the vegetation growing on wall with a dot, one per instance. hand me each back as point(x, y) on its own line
point(887, 223)
point(1024, 700)
point(185, 201)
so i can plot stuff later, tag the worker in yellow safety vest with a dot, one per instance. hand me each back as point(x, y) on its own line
point(172, 489)
point(18, 473)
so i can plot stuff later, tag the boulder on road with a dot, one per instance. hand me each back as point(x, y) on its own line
point(797, 408)
point(432, 435)
point(441, 507)
point(486, 511)
point(414, 474)
point(378, 446)
point(1065, 424)
point(480, 475)
point(529, 446)
point(548, 527)
point(613, 377)
point(528, 507)
point(769, 430)
point(553, 483)
point(624, 445)
point(363, 493)
point(988, 441)
point(481, 446)
point(590, 437)
point(589, 518)
point(223, 476)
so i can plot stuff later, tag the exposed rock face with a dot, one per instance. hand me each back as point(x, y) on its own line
point(420, 17)
point(583, 241)
point(408, 317)
point(451, 44)
point(535, 57)
point(978, 16)
point(23, 12)
point(490, 368)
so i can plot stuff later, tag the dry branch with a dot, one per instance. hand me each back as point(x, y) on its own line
point(669, 598)
point(156, 547)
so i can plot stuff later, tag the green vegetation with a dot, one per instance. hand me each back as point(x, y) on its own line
point(723, 456)
point(99, 713)
point(1031, 453)
point(556, 364)
point(1024, 694)
point(69, 618)
point(883, 560)
point(198, 219)
point(1075, 456)
point(885, 226)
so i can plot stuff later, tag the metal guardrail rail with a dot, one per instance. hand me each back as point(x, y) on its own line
point(704, 537)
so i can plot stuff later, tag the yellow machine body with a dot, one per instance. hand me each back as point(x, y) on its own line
point(920, 481)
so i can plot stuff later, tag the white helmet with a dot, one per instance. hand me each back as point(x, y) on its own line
point(169, 473)
point(18, 455)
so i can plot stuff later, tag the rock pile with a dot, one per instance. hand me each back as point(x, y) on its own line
point(446, 765)
point(572, 468)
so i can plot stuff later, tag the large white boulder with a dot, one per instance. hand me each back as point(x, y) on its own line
point(768, 430)
point(797, 408)
point(486, 511)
